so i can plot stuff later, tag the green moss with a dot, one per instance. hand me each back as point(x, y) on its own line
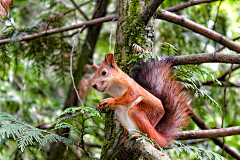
point(131, 31)
point(108, 125)
point(134, 32)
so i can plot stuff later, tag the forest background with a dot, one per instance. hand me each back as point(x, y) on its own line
point(46, 48)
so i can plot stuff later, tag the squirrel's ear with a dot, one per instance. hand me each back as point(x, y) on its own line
point(94, 66)
point(109, 59)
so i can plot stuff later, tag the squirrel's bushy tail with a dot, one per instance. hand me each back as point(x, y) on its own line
point(156, 77)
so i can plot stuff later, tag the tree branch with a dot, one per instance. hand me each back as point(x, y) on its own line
point(63, 29)
point(140, 149)
point(211, 133)
point(195, 27)
point(222, 76)
point(207, 57)
point(217, 141)
point(63, 14)
point(78, 8)
point(187, 4)
point(150, 9)
point(224, 46)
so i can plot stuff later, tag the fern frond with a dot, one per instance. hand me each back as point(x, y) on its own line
point(49, 138)
point(64, 125)
point(94, 127)
point(191, 77)
point(194, 151)
point(141, 53)
point(179, 147)
point(169, 48)
point(82, 110)
point(28, 136)
point(55, 138)
point(145, 137)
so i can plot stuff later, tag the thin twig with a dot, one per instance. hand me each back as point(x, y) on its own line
point(213, 28)
point(224, 96)
point(187, 4)
point(210, 111)
point(71, 66)
point(78, 8)
point(225, 105)
point(222, 76)
point(237, 38)
point(110, 37)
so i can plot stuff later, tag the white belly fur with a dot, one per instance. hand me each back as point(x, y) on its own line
point(122, 114)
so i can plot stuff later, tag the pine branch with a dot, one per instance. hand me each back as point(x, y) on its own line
point(195, 27)
point(211, 133)
point(206, 58)
point(63, 29)
point(187, 4)
point(217, 141)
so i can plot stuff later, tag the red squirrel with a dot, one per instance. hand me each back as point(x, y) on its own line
point(154, 103)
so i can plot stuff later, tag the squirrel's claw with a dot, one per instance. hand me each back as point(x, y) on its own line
point(101, 110)
point(104, 103)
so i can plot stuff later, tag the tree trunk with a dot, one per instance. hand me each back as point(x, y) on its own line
point(131, 29)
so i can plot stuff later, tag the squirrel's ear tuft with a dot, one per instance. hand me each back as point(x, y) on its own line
point(109, 59)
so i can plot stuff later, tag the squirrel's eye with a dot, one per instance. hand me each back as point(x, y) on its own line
point(104, 73)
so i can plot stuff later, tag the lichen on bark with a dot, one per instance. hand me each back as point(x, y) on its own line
point(131, 30)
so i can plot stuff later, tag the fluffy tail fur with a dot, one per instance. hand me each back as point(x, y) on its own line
point(156, 77)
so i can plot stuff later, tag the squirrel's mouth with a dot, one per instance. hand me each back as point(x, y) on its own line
point(102, 89)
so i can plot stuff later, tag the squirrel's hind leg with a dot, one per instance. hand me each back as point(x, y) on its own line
point(140, 119)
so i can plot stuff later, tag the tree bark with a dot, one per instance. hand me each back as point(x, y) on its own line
point(207, 58)
point(134, 27)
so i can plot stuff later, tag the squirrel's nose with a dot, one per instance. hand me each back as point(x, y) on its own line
point(94, 86)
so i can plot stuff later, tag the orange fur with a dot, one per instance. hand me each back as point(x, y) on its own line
point(141, 106)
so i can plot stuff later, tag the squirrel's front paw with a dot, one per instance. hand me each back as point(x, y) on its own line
point(104, 103)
